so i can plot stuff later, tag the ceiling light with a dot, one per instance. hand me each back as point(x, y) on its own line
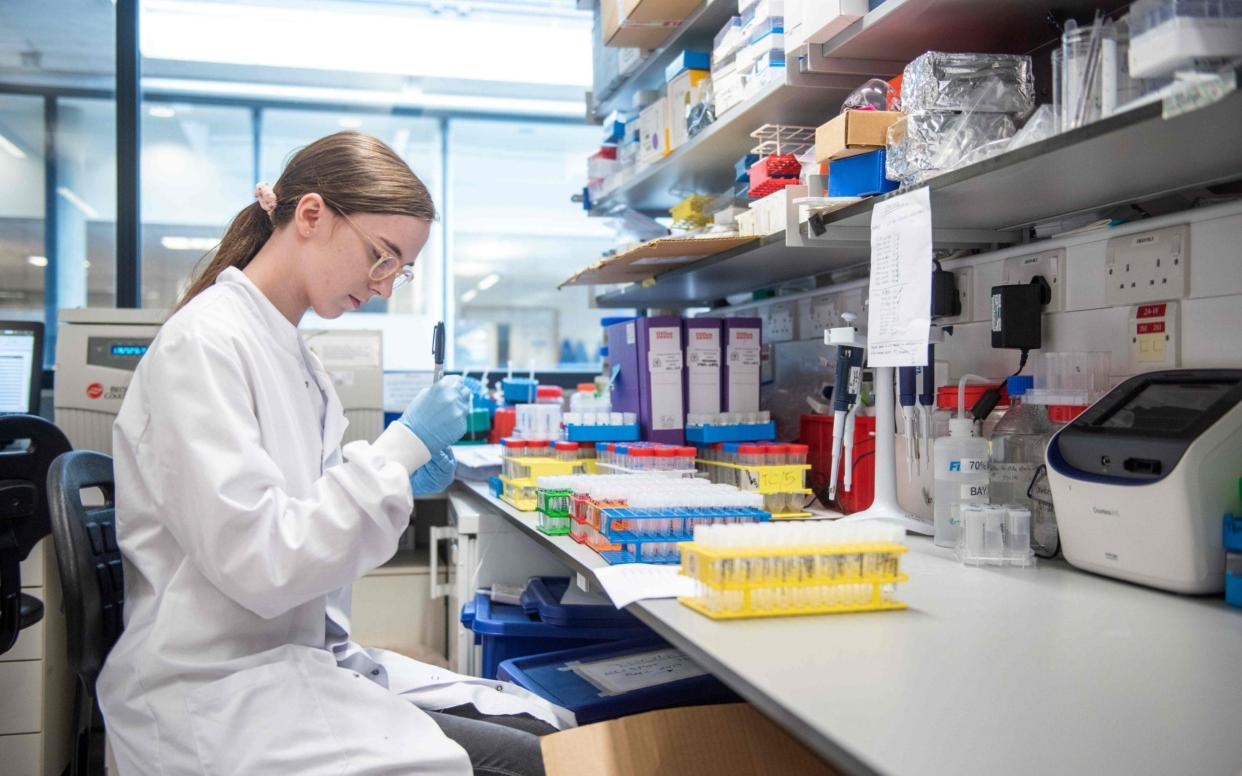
point(489, 281)
point(178, 243)
point(162, 111)
point(11, 147)
point(36, 261)
point(469, 296)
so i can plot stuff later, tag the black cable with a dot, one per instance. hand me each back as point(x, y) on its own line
point(991, 397)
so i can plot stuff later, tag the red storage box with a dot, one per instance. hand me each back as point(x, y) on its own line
point(773, 173)
point(816, 433)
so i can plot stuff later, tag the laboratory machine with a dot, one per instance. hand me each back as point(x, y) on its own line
point(1142, 478)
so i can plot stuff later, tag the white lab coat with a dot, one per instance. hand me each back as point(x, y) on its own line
point(241, 528)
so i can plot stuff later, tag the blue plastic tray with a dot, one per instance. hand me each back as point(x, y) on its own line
point(547, 676)
point(543, 598)
point(751, 432)
point(506, 631)
point(520, 390)
point(578, 433)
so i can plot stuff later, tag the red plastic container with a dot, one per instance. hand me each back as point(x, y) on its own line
point(946, 396)
point(816, 434)
point(503, 424)
point(773, 173)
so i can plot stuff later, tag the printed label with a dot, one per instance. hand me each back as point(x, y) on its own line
point(629, 334)
point(996, 312)
point(855, 380)
point(974, 492)
point(744, 357)
point(1013, 472)
point(1151, 311)
point(706, 359)
point(968, 465)
point(664, 362)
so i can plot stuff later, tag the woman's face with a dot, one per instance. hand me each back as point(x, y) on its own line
point(340, 255)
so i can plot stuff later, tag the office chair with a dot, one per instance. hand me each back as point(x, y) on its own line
point(94, 591)
point(24, 516)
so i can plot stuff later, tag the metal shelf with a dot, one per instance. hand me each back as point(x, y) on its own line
point(900, 30)
point(1131, 157)
point(695, 33)
point(705, 164)
point(743, 269)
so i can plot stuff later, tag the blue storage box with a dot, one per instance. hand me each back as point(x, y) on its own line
point(496, 485)
point(506, 631)
point(746, 432)
point(741, 169)
point(579, 433)
point(561, 678)
point(542, 598)
point(861, 175)
point(1233, 533)
point(687, 60)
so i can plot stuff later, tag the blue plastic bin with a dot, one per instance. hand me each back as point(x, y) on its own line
point(861, 175)
point(543, 598)
point(550, 677)
point(506, 631)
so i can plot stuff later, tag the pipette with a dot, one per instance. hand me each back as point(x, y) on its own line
point(845, 394)
point(905, 397)
point(848, 483)
point(437, 351)
point(927, 397)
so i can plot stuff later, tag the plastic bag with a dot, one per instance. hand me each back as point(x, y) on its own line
point(922, 145)
point(985, 83)
point(875, 94)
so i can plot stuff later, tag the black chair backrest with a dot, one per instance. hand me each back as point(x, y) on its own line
point(24, 518)
point(89, 559)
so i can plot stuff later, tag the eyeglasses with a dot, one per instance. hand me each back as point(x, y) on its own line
point(387, 265)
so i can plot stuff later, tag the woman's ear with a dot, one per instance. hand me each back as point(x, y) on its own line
point(308, 217)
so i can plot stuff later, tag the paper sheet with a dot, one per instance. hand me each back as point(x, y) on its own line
point(634, 672)
point(899, 310)
point(630, 582)
point(477, 456)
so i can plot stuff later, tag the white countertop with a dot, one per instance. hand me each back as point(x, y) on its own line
point(989, 671)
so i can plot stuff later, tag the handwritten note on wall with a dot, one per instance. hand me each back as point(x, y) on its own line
point(899, 311)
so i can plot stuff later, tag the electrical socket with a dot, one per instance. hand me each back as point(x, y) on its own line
point(963, 278)
point(1147, 267)
point(824, 313)
point(781, 322)
point(1020, 270)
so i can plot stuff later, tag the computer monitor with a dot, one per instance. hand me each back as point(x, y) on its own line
point(21, 366)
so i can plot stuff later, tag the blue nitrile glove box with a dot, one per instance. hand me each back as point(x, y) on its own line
point(861, 175)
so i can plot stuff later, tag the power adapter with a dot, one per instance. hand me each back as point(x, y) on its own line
point(1017, 319)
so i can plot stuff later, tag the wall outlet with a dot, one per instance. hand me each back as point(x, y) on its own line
point(1147, 267)
point(964, 278)
point(824, 314)
point(1019, 270)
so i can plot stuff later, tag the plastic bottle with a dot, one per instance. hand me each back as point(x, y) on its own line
point(961, 461)
point(1045, 540)
point(1017, 446)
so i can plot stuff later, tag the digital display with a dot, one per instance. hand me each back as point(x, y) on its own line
point(17, 359)
point(132, 351)
point(1166, 407)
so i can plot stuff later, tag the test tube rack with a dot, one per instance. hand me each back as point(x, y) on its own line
point(521, 490)
point(778, 581)
point(743, 432)
point(769, 480)
point(671, 473)
point(555, 508)
point(577, 432)
point(649, 535)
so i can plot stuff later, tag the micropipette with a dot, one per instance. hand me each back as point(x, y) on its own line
point(437, 351)
point(848, 383)
point(849, 448)
point(905, 397)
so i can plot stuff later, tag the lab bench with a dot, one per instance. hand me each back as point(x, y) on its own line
point(989, 671)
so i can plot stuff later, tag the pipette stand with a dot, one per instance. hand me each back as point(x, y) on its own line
point(884, 506)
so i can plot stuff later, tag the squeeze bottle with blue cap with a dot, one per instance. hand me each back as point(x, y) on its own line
point(1017, 446)
point(961, 466)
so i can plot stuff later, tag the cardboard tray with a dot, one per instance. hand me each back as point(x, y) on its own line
point(654, 258)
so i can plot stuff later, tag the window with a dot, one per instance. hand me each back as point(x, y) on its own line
point(515, 235)
point(23, 255)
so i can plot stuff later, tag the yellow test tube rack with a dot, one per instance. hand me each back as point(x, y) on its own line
point(768, 581)
point(521, 490)
point(770, 480)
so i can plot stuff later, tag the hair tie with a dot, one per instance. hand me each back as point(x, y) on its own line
point(266, 197)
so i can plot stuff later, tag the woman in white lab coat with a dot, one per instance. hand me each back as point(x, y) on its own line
point(242, 522)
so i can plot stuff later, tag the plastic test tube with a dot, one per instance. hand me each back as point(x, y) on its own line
point(620, 455)
point(1017, 532)
point(668, 458)
point(994, 518)
point(796, 454)
point(750, 455)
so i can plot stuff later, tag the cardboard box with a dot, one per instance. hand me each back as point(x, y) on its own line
point(685, 90)
point(652, 380)
point(642, 23)
point(853, 132)
point(726, 740)
point(653, 132)
point(703, 365)
point(743, 342)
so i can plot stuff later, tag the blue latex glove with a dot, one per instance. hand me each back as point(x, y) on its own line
point(437, 416)
point(435, 475)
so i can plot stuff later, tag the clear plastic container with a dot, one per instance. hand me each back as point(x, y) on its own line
point(567, 451)
point(1017, 447)
point(1172, 35)
point(796, 454)
point(1017, 533)
point(961, 466)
